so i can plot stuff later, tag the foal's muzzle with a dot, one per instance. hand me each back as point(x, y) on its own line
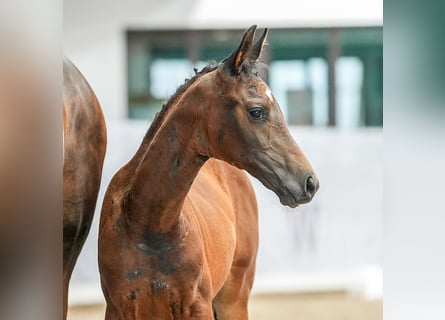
point(293, 192)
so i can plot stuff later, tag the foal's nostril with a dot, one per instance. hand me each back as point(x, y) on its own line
point(310, 186)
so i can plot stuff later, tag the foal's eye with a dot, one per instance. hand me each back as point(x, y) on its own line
point(257, 113)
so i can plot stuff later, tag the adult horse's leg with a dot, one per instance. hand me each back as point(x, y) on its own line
point(84, 147)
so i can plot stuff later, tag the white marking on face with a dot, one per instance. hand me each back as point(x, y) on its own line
point(268, 93)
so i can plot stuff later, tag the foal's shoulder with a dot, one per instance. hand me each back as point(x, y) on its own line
point(224, 172)
point(216, 166)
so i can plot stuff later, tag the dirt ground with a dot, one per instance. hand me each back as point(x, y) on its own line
point(323, 306)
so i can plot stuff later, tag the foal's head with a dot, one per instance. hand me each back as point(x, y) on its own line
point(246, 128)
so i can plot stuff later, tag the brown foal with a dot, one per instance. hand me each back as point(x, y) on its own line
point(178, 233)
point(84, 144)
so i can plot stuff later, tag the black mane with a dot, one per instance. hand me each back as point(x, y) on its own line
point(187, 83)
point(160, 116)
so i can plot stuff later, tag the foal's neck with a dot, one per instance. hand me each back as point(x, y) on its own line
point(166, 171)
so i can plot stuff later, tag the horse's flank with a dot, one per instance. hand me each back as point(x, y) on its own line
point(84, 144)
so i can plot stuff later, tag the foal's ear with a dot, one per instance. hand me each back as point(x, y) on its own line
point(258, 46)
point(233, 64)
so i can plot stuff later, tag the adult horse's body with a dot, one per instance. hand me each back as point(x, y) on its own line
point(84, 144)
point(178, 233)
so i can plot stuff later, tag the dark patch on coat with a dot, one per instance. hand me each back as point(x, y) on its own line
point(164, 251)
point(221, 135)
point(176, 308)
point(132, 295)
point(202, 158)
point(173, 137)
point(133, 274)
point(158, 285)
point(69, 233)
point(176, 162)
point(202, 142)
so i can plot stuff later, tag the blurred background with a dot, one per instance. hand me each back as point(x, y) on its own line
point(319, 261)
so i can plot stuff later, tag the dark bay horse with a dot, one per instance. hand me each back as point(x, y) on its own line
point(178, 234)
point(84, 144)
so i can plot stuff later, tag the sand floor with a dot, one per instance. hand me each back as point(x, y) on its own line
point(332, 306)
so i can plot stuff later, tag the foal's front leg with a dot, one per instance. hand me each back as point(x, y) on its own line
point(201, 311)
point(231, 303)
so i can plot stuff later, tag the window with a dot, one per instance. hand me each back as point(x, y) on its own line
point(160, 61)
